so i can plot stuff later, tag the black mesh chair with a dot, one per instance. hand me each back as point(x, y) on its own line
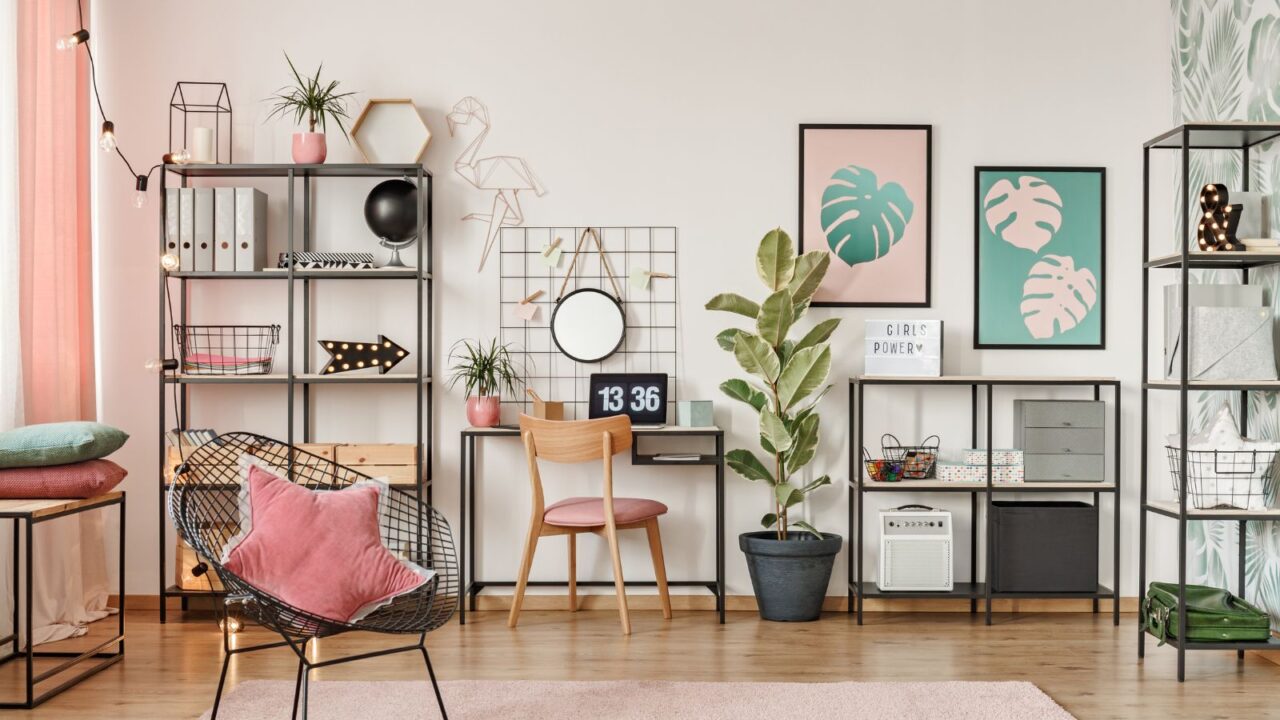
point(204, 507)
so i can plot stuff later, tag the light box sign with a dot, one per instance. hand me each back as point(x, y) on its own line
point(904, 347)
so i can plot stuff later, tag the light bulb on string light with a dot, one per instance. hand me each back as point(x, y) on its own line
point(107, 138)
point(177, 157)
point(69, 42)
point(140, 192)
point(170, 262)
point(159, 365)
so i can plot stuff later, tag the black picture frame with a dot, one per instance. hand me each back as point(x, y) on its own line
point(928, 220)
point(978, 170)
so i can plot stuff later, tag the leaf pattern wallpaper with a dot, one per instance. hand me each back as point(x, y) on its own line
point(1225, 62)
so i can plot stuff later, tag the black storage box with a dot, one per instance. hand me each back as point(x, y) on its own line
point(1044, 546)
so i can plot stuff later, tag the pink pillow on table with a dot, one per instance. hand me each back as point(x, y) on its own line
point(319, 551)
point(77, 480)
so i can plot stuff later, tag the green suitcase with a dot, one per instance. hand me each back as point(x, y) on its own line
point(1213, 615)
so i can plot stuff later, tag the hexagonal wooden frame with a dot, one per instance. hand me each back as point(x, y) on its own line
point(364, 113)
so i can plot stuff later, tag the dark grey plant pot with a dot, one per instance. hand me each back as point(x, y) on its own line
point(790, 577)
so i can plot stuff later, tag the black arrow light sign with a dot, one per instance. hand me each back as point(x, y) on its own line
point(348, 355)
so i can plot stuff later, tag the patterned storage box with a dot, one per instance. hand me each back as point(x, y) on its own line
point(999, 457)
point(959, 472)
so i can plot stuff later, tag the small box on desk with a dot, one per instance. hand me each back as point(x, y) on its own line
point(695, 413)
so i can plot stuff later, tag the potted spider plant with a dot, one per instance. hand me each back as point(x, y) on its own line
point(484, 372)
point(790, 570)
point(317, 102)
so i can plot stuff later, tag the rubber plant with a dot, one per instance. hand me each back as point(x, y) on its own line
point(788, 375)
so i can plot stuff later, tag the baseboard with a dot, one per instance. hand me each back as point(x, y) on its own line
point(747, 603)
point(733, 603)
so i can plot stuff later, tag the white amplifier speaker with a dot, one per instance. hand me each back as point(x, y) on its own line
point(915, 549)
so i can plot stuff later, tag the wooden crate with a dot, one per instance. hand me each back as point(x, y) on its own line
point(393, 461)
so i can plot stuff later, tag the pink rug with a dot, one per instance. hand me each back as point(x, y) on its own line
point(635, 700)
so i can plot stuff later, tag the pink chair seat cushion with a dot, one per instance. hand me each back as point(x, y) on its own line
point(76, 480)
point(319, 551)
point(589, 511)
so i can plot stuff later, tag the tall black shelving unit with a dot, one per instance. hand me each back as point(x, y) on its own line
point(1239, 137)
point(976, 589)
point(293, 380)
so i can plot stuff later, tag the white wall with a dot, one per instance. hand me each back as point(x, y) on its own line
point(679, 113)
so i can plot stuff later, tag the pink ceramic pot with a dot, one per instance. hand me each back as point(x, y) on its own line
point(309, 148)
point(483, 411)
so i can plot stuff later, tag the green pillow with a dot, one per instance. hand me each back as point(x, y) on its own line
point(58, 444)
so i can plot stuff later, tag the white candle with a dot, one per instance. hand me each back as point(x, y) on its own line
point(202, 145)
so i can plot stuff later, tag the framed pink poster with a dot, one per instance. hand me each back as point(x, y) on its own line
point(865, 198)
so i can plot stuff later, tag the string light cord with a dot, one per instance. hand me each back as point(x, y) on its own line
point(108, 127)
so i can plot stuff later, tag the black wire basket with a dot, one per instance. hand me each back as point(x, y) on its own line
point(918, 461)
point(226, 349)
point(1240, 479)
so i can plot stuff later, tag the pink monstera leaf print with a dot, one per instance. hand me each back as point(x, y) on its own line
point(1025, 215)
point(1057, 296)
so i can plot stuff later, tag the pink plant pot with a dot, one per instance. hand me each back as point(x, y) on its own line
point(484, 411)
point(309, 148)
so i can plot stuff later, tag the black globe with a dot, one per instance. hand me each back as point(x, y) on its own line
point(391, 210)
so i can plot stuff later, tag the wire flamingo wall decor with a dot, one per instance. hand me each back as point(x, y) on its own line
point(506, 175)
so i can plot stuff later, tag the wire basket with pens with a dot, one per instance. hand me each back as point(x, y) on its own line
point(917, 461)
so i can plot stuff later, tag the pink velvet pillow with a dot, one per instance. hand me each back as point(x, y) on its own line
point(77, 480)
point(319, 551)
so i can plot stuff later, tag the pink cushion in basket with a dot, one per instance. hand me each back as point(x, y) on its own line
point(319, 551)
point(77, 480)
point(589, 511)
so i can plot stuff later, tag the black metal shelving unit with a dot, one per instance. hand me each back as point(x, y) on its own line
point(298, 380)
point(1239, 137)
point(975, 589)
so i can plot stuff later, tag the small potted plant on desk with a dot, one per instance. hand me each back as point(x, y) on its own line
point(790, 570)
point(483, 372)
point(316, 102)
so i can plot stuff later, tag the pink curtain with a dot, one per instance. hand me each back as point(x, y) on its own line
point(55, 298)
point(56, 291)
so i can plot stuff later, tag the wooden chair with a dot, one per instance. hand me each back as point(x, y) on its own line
point(574, 442)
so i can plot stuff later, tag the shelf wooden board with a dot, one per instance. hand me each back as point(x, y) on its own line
point(243, 170)
point(982, 380)
point(307, 378)
point(1229, 260)
point(381, 273)
point(940, 486)
point(1169, 508)
point(1261, 385)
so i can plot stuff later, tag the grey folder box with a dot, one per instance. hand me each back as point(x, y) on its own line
point(1202, 295)
point(1232, 343)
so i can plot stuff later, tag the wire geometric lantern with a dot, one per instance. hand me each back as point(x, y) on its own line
point(201, 98)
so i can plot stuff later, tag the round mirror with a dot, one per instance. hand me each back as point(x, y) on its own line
point(587, 325)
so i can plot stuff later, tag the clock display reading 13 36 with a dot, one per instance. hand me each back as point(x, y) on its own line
point(641, 396)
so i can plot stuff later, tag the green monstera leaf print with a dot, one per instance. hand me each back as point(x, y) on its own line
point(1264, 70)
point(862, 219)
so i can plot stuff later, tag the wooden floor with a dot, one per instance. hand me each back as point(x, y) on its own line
point(1081, 660)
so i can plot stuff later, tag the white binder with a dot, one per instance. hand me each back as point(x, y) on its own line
point(186, 229)
point(251, 229)
point(204, 229)
point(171, 221)
point(224, 229)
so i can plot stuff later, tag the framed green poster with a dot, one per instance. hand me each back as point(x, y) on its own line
point(1040, 265)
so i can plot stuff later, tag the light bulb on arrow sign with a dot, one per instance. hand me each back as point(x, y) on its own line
point(348, 355)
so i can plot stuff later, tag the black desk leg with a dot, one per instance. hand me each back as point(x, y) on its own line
point(720, 601)
point(17, 564)
point(973, 501)
point(30, 603)
point(120, 615)
point(471, 520)
point(1242, 542)
point(462, 531)
point(991, 550)
point(857, 557)
point(1115, 511)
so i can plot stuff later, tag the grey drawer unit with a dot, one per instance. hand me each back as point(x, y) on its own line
point(1064, 440)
